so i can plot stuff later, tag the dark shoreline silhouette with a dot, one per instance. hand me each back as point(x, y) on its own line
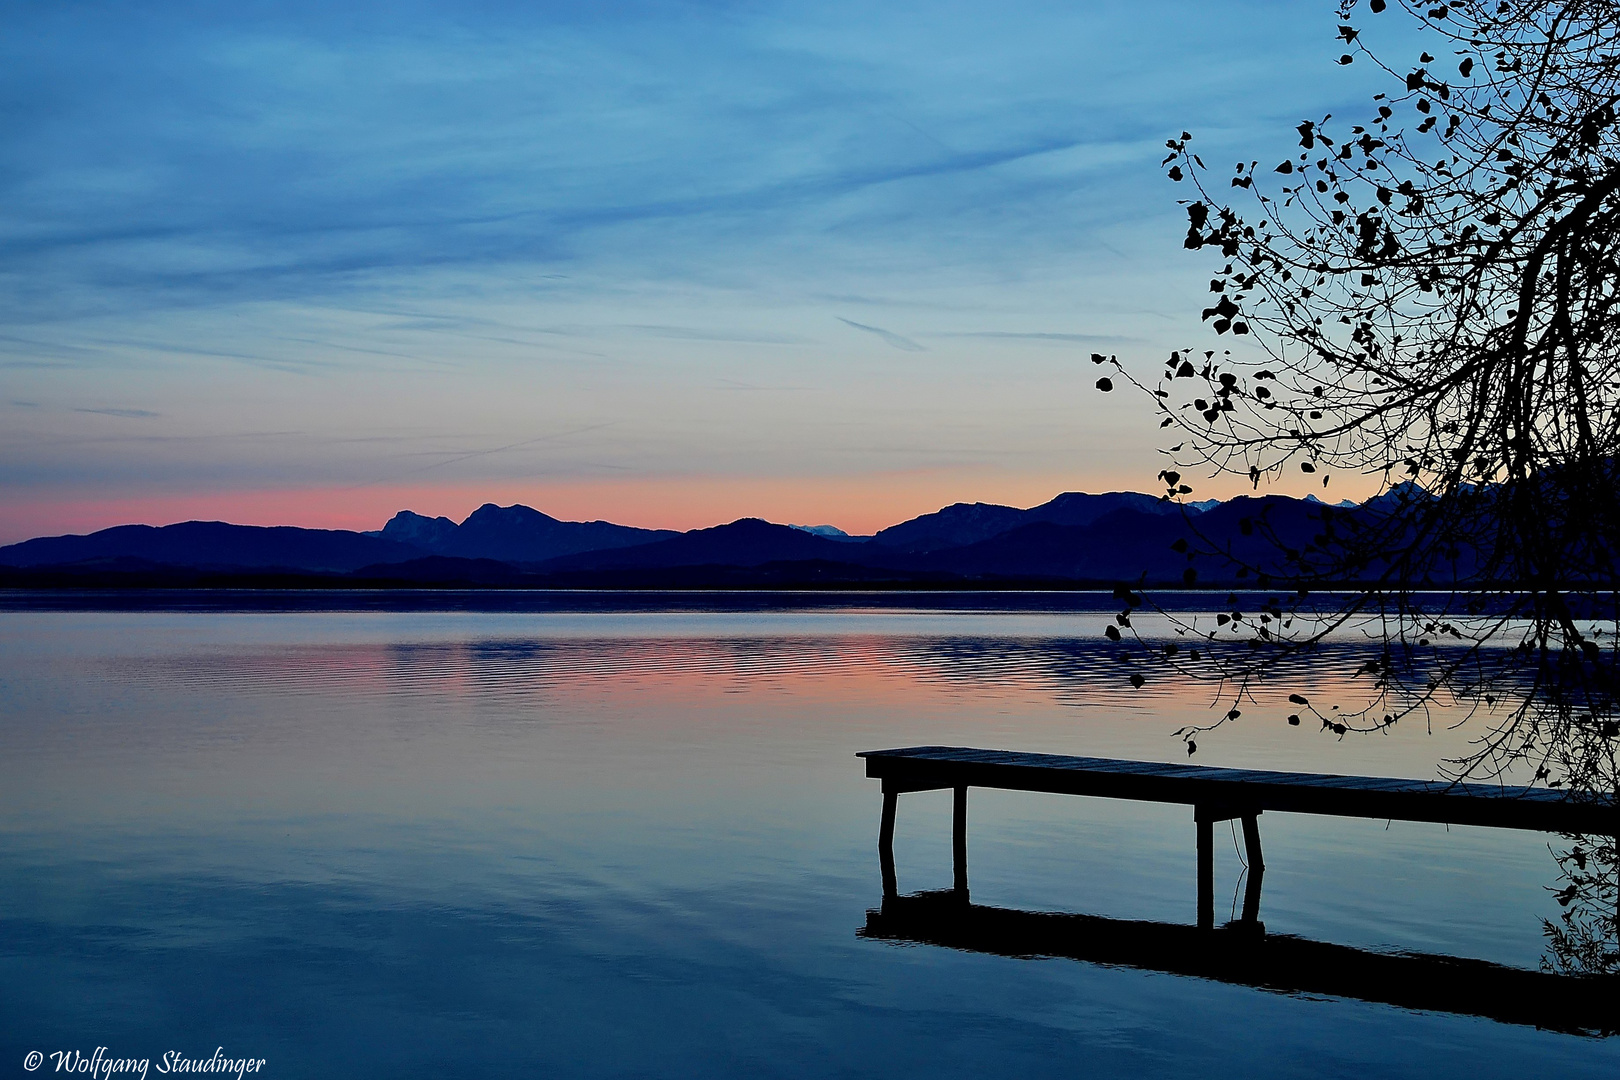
point(1076, 540)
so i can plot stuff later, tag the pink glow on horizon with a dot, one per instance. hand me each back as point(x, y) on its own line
point(856, 504)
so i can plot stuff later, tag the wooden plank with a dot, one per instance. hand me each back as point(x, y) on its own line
point(922, 768)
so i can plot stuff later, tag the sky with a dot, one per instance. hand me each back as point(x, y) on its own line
point(667, 264)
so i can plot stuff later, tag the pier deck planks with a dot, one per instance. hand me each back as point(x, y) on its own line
point(1244, 791)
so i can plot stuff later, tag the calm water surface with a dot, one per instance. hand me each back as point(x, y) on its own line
point(606, 843)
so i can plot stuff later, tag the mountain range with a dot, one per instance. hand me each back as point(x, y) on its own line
point(1075, 539)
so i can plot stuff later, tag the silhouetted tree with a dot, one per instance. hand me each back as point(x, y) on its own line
point(1432, 297)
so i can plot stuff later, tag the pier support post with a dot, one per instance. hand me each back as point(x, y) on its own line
point(1257, 868)
point(1206, 815)
point(959, 840)
point(886, 843)
point(1206, 872)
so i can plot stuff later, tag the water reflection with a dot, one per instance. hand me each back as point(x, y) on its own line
point(1241, 955)
point(610, 843)
point(1018, 660)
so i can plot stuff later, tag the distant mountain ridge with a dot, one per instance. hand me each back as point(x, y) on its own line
point(1074, 538)
point(214, 544)
point(831, 532)
point(746, 542)
point(962, 524)
point(513, 534)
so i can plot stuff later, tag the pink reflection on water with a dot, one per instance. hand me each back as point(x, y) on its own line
point(1056, 694)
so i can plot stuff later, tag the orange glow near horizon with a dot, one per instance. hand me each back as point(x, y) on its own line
point(859, 504)
point(856, 504)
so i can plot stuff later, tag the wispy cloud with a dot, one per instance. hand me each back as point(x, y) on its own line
point(1013, 335)
point(206, 158)
point(367, 221)
point(137, 414)
point(455, 457)
point(689, 333)
point(889, 336)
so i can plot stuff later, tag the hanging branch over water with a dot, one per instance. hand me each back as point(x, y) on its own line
point(1430, 296)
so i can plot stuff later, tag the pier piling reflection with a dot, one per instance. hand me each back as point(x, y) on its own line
point(1243, 954)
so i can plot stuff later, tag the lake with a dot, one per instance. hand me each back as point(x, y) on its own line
point(593, 838)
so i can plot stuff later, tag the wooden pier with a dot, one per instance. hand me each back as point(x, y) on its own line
point(1217, 794)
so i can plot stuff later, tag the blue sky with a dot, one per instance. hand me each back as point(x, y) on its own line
point(662, 263)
